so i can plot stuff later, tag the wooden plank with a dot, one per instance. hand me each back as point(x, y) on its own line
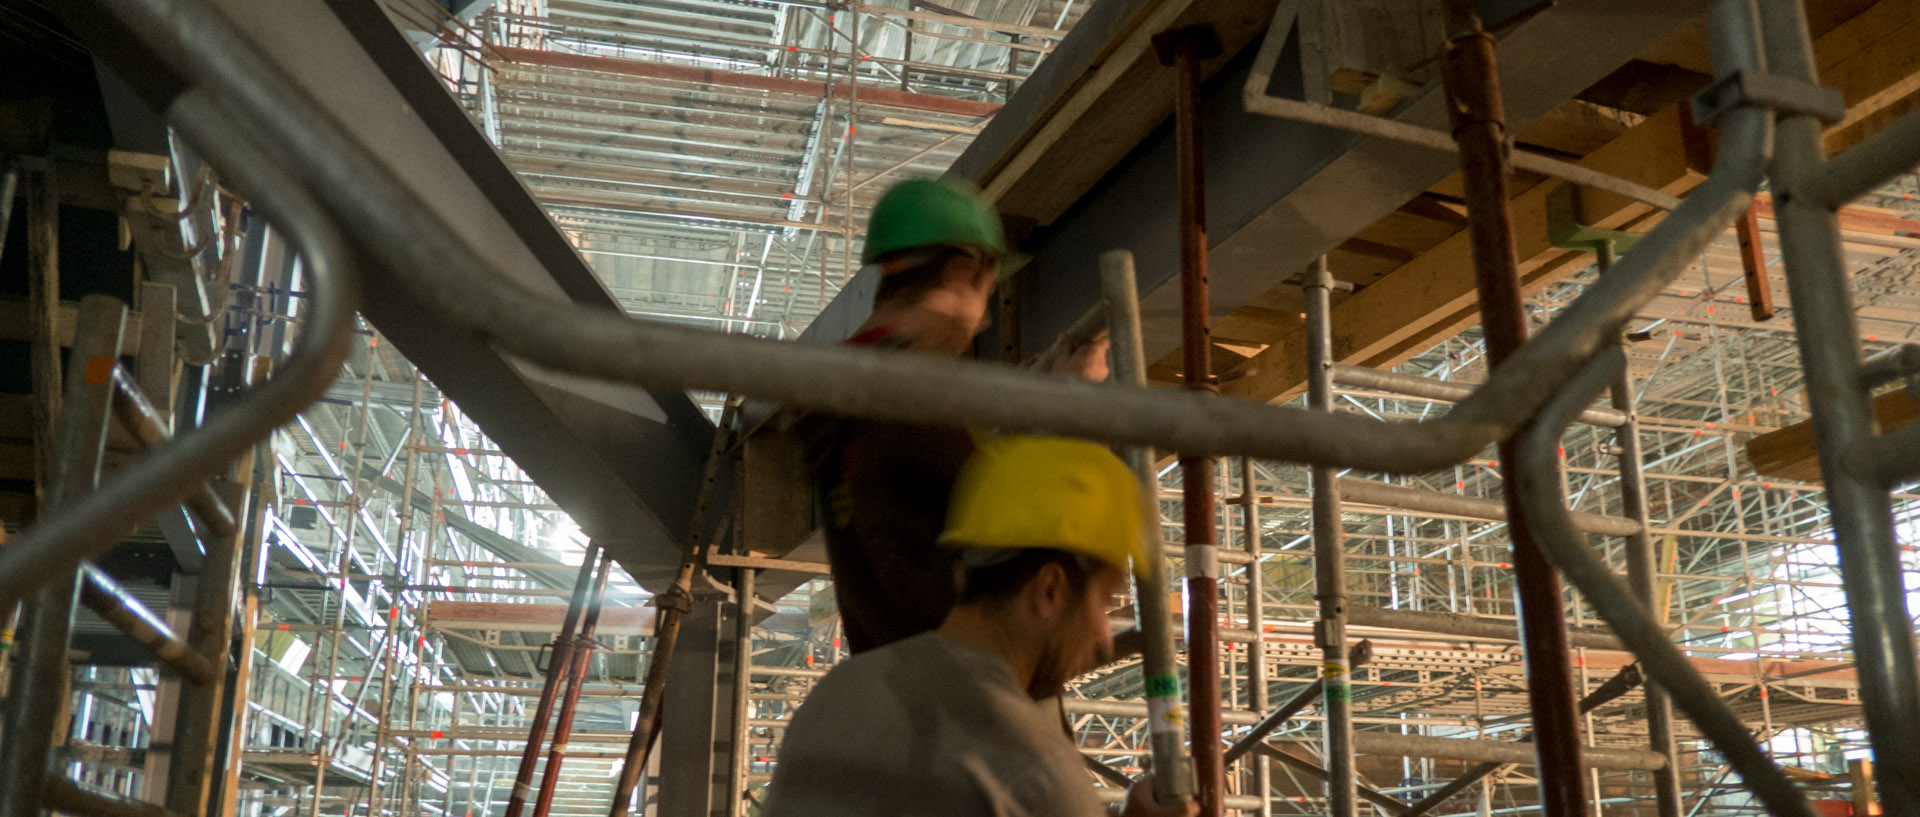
point(1853, 219)
point(1577, 127)
point(532, 618)
point(1753, 265)
point(765, 563)
point(1129, 92)
point(155, 369)
point(1789, 453)
point(15, 322)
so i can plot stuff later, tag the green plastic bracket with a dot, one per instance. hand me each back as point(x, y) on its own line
point(1565, 231)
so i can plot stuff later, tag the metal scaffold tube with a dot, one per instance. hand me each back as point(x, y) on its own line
point(1641, 570)
point(1479, 126)
point(559, 669)
point(1173, 774)
point(1329, 558)
point(1843, 419)
point(740, 757)
point(1184, 49)
point(35, 705)
point(1537, 479)
point(1257, 697)
point(1308, 693)
point(575, 680)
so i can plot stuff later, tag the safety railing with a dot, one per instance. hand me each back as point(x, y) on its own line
point(276, 144)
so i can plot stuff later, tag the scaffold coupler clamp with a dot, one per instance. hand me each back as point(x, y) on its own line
point(1772, 91)
point(676, 598)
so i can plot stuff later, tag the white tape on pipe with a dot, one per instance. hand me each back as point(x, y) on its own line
point(1203, 562)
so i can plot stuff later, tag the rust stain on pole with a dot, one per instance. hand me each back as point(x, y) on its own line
point(1479, 126)
point(1185, 49)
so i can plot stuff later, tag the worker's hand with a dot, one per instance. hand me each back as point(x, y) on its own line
point(1088, 362)
point(1140, 803)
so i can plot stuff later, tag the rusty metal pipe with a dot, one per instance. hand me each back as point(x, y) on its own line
point(576, 680)
point(558, 666)
point(673, 605)
point(1479, 126)
point(1185, 49)
point(646, 728)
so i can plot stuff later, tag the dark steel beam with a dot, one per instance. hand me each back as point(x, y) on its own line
point(1296, 191)
point(621, 460)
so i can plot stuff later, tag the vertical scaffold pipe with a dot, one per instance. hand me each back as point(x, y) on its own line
point(1257, 622)
point(1823, 313)
point(743, 591)
point(1184, 49)
point(1640, 575)
point(1479, 126)
point(1329, 557)
point(559, 664)
point(1172, 768)
point(576, 680)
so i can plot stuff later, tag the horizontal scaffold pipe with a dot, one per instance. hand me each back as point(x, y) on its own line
point(1467, 626)
point(1368, 492)
point(1501, 751)
point(1445, 391)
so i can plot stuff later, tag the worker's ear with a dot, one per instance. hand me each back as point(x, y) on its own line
point(1047, 593)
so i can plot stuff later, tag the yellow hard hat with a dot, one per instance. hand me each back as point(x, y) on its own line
point(1048, 492)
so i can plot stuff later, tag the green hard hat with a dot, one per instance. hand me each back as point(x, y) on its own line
point(932, 213)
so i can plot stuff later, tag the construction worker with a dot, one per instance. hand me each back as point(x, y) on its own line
point(956, 721)
point(939, 249)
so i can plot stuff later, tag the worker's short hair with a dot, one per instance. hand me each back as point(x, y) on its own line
point(1005, 578)
point(907, 275)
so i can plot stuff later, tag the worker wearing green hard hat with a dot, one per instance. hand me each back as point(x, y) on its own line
point(949, 722)
point(926, 213)
point(938, 250)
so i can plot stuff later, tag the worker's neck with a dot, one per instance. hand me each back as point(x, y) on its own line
point(982, 626)
point(939, 322)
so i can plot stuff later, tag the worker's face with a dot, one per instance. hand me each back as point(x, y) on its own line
point(974, 277)
point(1079, 638)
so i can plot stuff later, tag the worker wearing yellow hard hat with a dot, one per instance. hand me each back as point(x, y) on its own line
point(949, 722)
point(936, 251)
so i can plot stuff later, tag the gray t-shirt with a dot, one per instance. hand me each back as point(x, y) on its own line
point(928, 726)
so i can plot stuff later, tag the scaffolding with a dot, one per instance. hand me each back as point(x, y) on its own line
point(425, 709)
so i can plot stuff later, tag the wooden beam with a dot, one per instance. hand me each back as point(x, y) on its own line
point(1423, 301)
point(884, 97)
point(1853, 219)
point(1753, 265)
point(1874, 59)
point(1432, 297)
point(1789, 452)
